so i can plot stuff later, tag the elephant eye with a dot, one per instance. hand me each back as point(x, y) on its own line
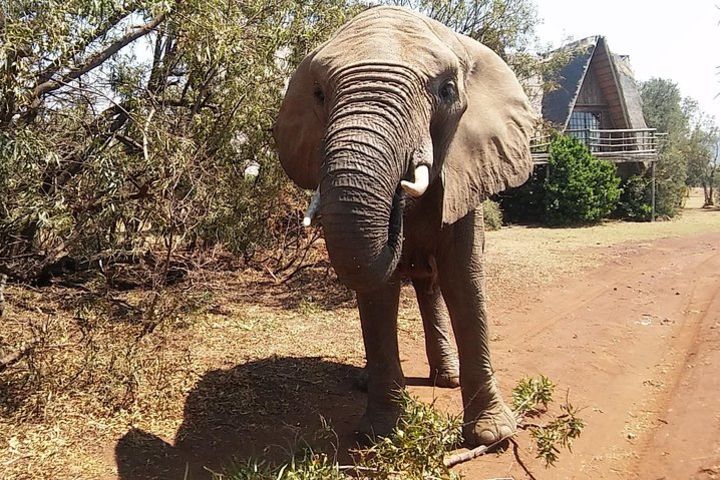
point(319, 95)
point(448, 91)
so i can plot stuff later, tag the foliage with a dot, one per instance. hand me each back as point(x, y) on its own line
point(127, 127)
point(416, 449)
point(579, 188)
point(635, 200)
point(558, 433)
point(703, 155)
point(492, 215)
point(530, 393)
point(665, 109)
point(526, 203)
point(531, 397)
point(690, 155)
point(308, 466)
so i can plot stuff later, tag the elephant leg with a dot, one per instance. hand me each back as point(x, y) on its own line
point(385, 380)
point(441, 354)
point(487, 418)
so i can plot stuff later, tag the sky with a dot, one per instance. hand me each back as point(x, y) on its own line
point(678, 40)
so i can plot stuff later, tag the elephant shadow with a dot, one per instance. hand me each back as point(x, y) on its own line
point(265, 410)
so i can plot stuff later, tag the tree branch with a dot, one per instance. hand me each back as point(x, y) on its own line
point(95, 60)
point(463, 457)
point(47, 73)
point(12, 358)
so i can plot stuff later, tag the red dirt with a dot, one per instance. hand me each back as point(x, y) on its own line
point(637, 343)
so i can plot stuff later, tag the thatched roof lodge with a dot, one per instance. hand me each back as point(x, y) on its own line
point(596, 99)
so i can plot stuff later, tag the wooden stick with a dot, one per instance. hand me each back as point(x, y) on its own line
point(3, 281)
point(463, 457)
point(14, 357)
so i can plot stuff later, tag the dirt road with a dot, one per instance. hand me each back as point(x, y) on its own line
point(637, 343)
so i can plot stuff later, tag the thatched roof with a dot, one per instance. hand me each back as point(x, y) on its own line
point(558, 104)
point(623, 94)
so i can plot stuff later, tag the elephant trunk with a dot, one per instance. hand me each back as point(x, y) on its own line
point(371, 144)
point(360, 203)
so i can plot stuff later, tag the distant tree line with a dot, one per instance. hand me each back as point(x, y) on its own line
point(689, 155)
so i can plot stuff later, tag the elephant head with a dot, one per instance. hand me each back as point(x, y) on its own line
point(393, 103)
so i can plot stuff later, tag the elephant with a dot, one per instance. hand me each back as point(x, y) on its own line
point(404, 127)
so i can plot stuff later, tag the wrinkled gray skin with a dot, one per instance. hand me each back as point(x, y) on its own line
point(393, 90)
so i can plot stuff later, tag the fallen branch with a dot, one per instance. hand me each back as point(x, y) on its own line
point(3, 281)
point(14, 357)
point(463, 457)
point(516, 452)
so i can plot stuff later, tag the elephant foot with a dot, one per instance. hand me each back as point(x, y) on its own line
point(445, 377)
point(378, 422)
point(491, 426)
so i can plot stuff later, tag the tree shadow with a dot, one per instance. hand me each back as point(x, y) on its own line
point(266, 410)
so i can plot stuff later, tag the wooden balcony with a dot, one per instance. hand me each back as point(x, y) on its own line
point(617, 146)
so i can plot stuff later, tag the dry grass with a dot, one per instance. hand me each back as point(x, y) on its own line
point(112, 363)
point(521, 258)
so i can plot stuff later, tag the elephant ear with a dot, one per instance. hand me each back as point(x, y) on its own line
point(299, 130)
point(490, 150)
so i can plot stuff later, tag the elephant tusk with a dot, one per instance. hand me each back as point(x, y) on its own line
point(312, 209)
point(421, 183)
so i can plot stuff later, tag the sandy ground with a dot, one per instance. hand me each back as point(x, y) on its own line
point(624, 316)
point(637, 343)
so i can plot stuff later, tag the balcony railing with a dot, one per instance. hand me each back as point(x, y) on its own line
point(629, 145)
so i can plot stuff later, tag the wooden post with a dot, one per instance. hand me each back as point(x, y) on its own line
point(652, 213)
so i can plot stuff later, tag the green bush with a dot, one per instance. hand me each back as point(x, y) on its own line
point(525, 203)
point(580, 188)
point(146, 154)
point(635, 199)
point(492, 215)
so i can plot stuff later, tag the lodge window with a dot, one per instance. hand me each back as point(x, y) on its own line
point(581, 122)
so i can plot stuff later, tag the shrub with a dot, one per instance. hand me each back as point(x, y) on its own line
point(635, 199)
point(580, 188)
point(420, 445)
point(525, 203)
point(146, 153)
point(492, 215)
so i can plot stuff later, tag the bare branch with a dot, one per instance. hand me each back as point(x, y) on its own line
point(12, 358)
point(80, 46)
point(97, 59)
point(463, 457)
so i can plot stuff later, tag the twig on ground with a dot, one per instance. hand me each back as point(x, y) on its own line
point(516, 452)
point(463, 457)
point(12, 358)
point(271, 274)
point(3, 280)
